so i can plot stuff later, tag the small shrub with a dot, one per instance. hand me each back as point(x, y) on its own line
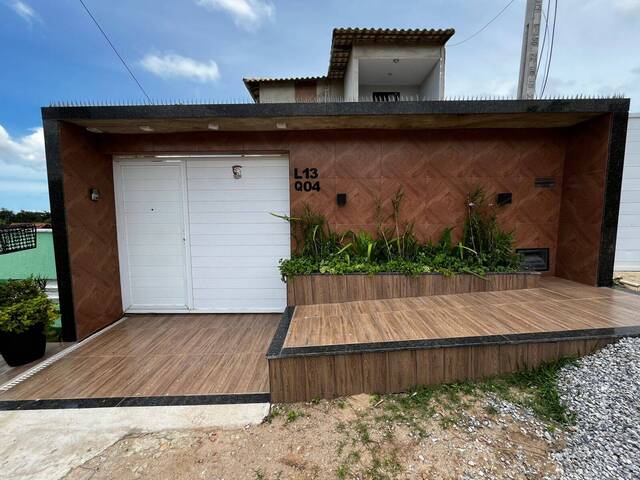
point(23, 304)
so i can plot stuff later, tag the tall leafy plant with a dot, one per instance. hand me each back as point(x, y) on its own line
point(398, 239)
point(483, 236)
point(312, 234)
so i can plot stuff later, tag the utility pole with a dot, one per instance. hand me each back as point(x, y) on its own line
point(529, 56)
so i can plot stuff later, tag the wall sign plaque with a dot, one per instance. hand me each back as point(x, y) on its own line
point(305, 181)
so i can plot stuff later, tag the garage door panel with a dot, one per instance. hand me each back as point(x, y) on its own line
point(247, 205)
point(236, 251)
point(157, 271)
point(236, 283)
point(628, 243)
point(157, 208)
point(630, 207)
point(249, 294)
point(156, 251)
point(239, 228)
point(156, 195)
point(145, 219)
point(217, 219)
point(276, 239)
point(136, 185)
point(216, 195)
point(153, 239)
point(150, 227)
point(233, 242)
point(241, 262)
point(236, 272)
point(153, 281)
point(153, 260)
point(231, 228)
point(230, 183)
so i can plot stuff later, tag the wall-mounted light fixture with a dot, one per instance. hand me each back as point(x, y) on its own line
point(237, 171)
point(94, 194)
point(281, 125)
point(503, 198)
point(146, 128)
point(213, 126)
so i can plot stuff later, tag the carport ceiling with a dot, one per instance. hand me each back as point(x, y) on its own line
point(526, 120)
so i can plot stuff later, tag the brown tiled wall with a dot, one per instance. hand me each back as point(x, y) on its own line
point(91, 232)
point(436, 169)
point(583, 200)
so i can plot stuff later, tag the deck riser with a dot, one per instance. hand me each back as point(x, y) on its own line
point(304, 378)
point(315, 289)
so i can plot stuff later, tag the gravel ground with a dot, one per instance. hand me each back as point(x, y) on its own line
point(603, 391)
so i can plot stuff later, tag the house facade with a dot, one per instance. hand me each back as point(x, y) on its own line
point(368, 65)
point(628, 247)
point(168, 208)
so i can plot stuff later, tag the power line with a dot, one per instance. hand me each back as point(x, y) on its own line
point(485, 26)
point(115, 50)
point(553, 36)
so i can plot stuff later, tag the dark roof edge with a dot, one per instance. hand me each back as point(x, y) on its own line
point(266, 110)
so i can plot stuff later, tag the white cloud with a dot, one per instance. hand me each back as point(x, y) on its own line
point(22, 168)
point(26, 152)
point(172, 65)
point(627, 5)
point(248, 14)
point(24, 10)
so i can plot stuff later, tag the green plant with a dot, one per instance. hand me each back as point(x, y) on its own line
point(23, 304)
point(483, 236)
point(484, 248)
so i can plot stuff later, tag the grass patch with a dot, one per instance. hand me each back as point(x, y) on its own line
point(534, 389)
point(280, 410)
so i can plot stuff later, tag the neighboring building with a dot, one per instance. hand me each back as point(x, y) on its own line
point(368, 65)
point(628, 246)
point(38, 262)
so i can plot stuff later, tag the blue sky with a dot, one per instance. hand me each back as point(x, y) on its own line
point(201, 49)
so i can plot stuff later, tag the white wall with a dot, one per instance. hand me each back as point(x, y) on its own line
point(277, 92)
point(330, 90)
point(628, 243)
point(432, 87)
point(351, 80)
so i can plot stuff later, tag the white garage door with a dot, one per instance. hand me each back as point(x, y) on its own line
point(231, 242)
point(628, 243)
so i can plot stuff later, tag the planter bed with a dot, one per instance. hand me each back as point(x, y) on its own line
point(324, 288)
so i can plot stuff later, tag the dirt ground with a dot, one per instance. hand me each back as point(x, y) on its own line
point(355, 438)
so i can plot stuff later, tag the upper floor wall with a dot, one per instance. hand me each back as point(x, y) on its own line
point(368, 65)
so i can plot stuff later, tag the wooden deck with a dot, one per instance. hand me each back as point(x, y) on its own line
point(152, 356)
point(8, 373)
point(390, 345)
point(558, 305)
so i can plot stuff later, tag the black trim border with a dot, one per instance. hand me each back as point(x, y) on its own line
point(266, 110)
point(611, 207)
point(106, 402)
point(476, 341)
point(59, 228)
point(277, 343)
